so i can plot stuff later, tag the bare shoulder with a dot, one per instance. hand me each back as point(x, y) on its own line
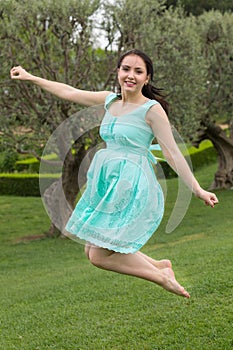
point(156, 112)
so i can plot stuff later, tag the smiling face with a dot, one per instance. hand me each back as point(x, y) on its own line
point(132, 74)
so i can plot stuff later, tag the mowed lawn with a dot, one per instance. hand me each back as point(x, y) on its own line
point(52, 298)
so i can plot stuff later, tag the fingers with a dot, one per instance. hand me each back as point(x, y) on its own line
point(211, 199)
point(15, 72)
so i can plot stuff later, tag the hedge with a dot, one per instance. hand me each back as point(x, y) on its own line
point(23, 184)
point(32, 165)
point(28, 184)
point(199, 158)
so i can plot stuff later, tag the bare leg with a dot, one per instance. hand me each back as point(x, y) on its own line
point(136, 265)
point(87, 249)
point(160, 264)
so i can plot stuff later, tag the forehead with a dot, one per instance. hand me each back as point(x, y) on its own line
point(133, 61)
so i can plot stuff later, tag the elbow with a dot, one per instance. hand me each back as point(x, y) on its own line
point(172, 157)
point(168, 155)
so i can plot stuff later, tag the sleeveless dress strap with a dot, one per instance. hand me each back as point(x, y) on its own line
point(110, 98)
point(153, 147)
point(149, 104)
point(146, 106)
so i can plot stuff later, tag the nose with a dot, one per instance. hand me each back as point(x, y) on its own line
point(130, 75)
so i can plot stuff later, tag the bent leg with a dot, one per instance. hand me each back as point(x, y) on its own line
point(136, 265)
point(87, 249)
point(160, 264)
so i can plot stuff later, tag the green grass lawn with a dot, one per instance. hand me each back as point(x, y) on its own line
point(52, 298)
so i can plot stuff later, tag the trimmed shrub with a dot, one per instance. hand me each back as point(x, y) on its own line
point(32, 165)
point(199, 158)
point(23, 184)
point(28, 184)
point(8, 162)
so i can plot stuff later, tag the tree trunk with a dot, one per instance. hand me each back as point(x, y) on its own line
point(57, 207)
point(60, 197)
point(224, 146)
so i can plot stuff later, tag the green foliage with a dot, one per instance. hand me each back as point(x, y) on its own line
point(8, 161)
point(53, 40)
point(23, 184)
point(31, 165)
point(172, 41)
point(27, 184)
point(197, 7)
point(198, 157)
point(192, 58)
point(216, 32)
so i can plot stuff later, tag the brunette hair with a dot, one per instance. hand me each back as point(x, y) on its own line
point(148, 90)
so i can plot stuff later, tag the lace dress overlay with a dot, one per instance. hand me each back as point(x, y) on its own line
point(123, 202)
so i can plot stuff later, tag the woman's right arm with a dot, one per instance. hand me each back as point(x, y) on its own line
point(63, 91)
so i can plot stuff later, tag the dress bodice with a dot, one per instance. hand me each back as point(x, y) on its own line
point(130, 129)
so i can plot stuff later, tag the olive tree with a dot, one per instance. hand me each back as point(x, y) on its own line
point(197, 7)
point(169, 38)
point(53, 40)
point(193, 62)
point(216, 32)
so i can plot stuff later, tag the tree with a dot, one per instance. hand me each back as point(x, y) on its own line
point(216, 33)
point(53, 40)
point(197, 7)
point(193, 62)
point(173, 43)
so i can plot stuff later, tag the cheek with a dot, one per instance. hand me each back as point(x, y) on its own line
point(121, 77)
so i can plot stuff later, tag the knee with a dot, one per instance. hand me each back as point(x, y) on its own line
point(95, 258)
point(87, 250)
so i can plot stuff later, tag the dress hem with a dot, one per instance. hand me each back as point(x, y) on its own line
point(101, 244)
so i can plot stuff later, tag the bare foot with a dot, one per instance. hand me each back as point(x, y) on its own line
point(163, 264)
point(172, 285)
point(159, 264)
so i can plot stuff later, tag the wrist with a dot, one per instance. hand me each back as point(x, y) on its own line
point(34, 79)
point(197, 190)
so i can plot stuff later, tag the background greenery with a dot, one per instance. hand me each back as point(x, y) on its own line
point(197, 7)
point(26, 182)
point(67, 41)
point(52, 298)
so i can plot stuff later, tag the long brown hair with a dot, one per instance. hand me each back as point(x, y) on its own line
point(148, 90)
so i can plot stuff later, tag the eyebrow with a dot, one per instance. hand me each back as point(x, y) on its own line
point(126, 66)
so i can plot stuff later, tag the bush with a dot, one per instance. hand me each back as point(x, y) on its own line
point(8, 162)
point(32, 165)
point(199, 158)
point(23, 184)
point(28, 184)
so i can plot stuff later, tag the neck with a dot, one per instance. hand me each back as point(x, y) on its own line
point(133, 98)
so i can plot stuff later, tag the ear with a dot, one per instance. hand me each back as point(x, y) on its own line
point(148, 79)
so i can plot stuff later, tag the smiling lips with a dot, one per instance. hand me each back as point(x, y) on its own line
point(129, 83)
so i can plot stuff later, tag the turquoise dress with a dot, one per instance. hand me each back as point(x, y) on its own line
point(123, 203)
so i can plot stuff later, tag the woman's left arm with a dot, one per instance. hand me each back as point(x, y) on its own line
point(161, 127)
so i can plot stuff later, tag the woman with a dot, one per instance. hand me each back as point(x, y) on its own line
point(123, 203)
